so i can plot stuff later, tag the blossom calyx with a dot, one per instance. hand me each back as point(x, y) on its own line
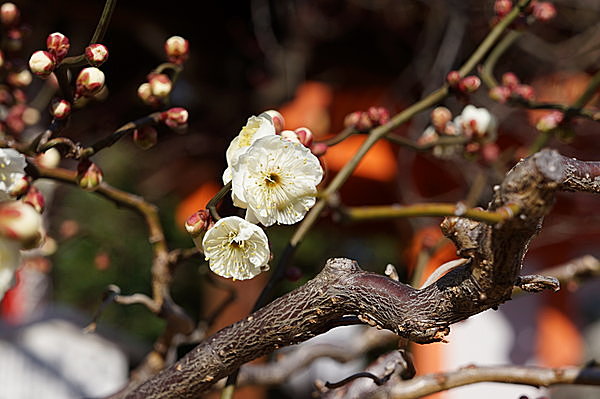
point(96, 54)
point(89, 175)
point(58, 44)
point(177, 49)
point(42, 63)
point(89, 81)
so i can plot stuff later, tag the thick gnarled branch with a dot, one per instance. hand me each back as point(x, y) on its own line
point(422, 315)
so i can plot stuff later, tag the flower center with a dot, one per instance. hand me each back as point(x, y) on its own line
point(272, 179)
point(234, 242)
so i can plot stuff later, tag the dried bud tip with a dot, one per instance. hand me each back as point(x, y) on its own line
point(199, 222)
point(305, 136)
point(58, 44)
point(469, 84)
point(502, 7)
point(319, 149)
point(440, 116)
point(9, 14)
point(89, 175)
point(276, 118)
point(35, 198)
point(544, 11)
point(160, 85)
point(145, 137)
point(177, 49)
point(89, 81)
point(550, 121)
point(60, 108)
point(453, 78)
point(500, 94)
point(96, 54)
point(42, 63)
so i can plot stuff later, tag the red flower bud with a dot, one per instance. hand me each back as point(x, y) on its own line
point(319, 149)
point(453, 78)
point(440, 116)
point(42, 63)
point(378, 115)
point(89, 81)
point(277, 118)
point(60, 108)
point(96, 54)
point(160, 85)
point(524, 91)
point(58, 44)
point(469, 84)
point(35, 198)
point(500, 94)
point(543, 11)
point(199, 222)
point(550, 121)
point(352, 119)
point(177, 49)
point(305, 136)
point(144, 92)
point(502, 7)
point(176, 118)
point(510, 80)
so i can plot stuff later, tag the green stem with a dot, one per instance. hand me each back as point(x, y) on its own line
point(487, 70)
point(589, 92)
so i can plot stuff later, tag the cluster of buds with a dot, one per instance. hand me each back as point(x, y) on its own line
point(540, 10)
point(476, 125)
point(365, 121)
point(176, 118)
point(302, 135)
point(466, 85)
point(197, 225)
point(511, 87)
point(43, 62)
point(177, 49)
point(89, 175)
point(550, 121)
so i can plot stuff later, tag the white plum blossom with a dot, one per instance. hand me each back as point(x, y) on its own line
point(12, 169)
point(256, 128)
point(236, 248)
point(477, 122)
point(10, 258)
point(276, 180)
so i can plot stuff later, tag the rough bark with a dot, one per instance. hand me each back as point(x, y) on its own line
point(422, 315)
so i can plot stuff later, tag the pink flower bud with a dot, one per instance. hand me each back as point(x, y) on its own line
point(48, 159)
point(144, 92)
point(490, 152)
point(502, 7)
point(9, 14)
point(20, 79)
point(177, 49)
point(510, 80)
point(319, 149)
point(60, 108)
point(550, 121)
point(524, 91)
point(19, 221)
point(89, 81)
point(20, 187)
point(544, 11)
point(499, 93)
point(305, 135)
point(453, 78)
point(102, 260)
point(352, 119)
point(199, 222)
point(378, 115)
point(89, 175)
point(440, 116)
point(42, 63)
point(176, 118)
point(96, 54)
point(469, 84)
point(364, 123)
point(58, 44)
point(35, 198)
point(145, 137)
point(290, 135)
point(277, 118)
point(160, 85)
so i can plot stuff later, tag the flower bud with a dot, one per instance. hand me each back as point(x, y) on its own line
point(352, 119)
point(502, 7)
point(35, 198)
point(378, 115)
point(20, 187)
point(440, 116)
point(277, 118)
point(160, 85)
point(524, 91)
point(20, 79)
point(176, 118)
point(89, 82)
point(145, 137)
point(549, 121)
point(9, 14)
point(290, 135)
point(199, 222)
point(319, 149)
point(48, 159)
point(543, 11)
point(96, 54)
point(144, 93)
point(469, 84)
point(58, 45)
point(499, 93)
point(177, 49)
point(60, 108)
point(510, 80)
point(89, 175)
point(364, 123)
point(453, 78)
point(19, 221)
point(305, 135)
